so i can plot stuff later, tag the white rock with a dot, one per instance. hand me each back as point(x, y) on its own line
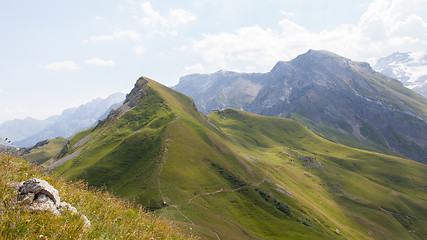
point(38, 195)
point(38, 186)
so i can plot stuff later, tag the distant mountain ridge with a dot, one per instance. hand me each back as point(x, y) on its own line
point(410, 68)
point(19, 129)
point(29, 131)
point(340, 99)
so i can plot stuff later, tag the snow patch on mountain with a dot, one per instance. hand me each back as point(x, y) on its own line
point(409, 67)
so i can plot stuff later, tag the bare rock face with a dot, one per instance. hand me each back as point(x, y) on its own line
point(42, 203)
point(38, 195)
point(41, 190)
point(132, 99)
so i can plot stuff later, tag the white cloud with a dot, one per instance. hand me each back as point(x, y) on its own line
point(386, 26)
point(286, 13)
point(100, 62)
point(152, 17)
point(197, 68)
point(1, 91)
point(180, 17)
point(246, 45)
point(139, 50)
point(61, 66)
point(396, 25)
point(127, 34)
point(167, 23)
point(413, 25)
point(118, 34)
point(101, 38)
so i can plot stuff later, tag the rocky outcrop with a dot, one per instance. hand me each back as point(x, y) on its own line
point(38, 192)
point(312, 162)
point(38, 195)
point(132, 99)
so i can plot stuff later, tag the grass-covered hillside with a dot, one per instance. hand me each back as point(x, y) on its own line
point(236, 175)
point(363, 194)
point(44, 150)
point(110, 217)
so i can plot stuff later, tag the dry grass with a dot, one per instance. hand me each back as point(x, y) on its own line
point(111, 217)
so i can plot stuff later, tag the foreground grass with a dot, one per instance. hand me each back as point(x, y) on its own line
point(111, 218)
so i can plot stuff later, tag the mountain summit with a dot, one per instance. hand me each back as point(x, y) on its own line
point(340, 99)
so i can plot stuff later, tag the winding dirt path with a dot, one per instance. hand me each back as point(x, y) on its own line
point(184, 215)
point(204, 194)
point(217, 236)
point(221, 190)
point(162, 163)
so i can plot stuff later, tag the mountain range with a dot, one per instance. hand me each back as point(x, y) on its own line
point(238, 175)
point(408, 67)
point(29, 131)
point(342, 100)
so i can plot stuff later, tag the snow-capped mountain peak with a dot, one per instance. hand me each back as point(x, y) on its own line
point(410, 68)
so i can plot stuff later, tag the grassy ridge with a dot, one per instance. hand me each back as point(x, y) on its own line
point(123, 153)
point(370, 192)
point(201, 159)
point(236, 175)
point(111, 217)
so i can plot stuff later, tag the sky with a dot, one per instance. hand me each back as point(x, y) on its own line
point(60, 54)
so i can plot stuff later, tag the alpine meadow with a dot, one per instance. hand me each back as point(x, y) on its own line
point(237, 175)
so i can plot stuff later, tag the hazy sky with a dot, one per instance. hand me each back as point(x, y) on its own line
point(59, 54)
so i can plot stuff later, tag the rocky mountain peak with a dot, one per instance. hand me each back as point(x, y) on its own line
point(132, 99)
point(329, 59)
point(321, 53)
point(137, 92)
point(320, 57)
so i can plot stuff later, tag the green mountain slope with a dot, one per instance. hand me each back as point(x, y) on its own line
point(44, 150)
point(110, 217)
point(236, 175)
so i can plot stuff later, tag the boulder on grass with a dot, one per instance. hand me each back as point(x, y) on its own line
point(38, 195)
